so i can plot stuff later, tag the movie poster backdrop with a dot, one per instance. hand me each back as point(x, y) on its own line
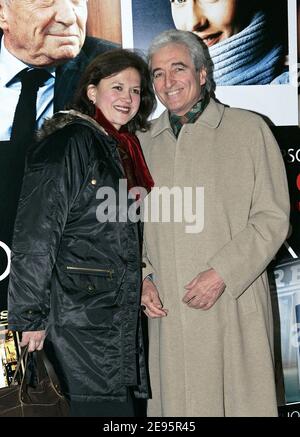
point(134, 23)
point(259, 44)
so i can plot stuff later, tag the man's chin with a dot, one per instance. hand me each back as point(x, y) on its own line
point(64, 53)
point(67, 51)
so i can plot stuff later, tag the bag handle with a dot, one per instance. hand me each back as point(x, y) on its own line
point(24, 355)
point(42, 357)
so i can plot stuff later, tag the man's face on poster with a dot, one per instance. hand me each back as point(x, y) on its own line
point(211, 20)
point(43, 32)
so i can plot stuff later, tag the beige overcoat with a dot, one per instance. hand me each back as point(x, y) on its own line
point(217, 362)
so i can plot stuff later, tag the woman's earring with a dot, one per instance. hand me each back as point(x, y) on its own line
point(92, 102)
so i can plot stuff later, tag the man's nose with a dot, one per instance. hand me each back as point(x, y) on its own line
point(169, 79)
point(65, 12)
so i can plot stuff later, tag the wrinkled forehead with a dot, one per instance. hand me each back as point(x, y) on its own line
point(169, 54)
point(41, 3)
point(45, 8)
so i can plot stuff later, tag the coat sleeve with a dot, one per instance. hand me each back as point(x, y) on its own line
point(249, 252)
point(147, 266)
point(51, 182)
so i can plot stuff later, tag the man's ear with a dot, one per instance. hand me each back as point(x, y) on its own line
point(202, 76)
point(3, 15)
point(91, 92)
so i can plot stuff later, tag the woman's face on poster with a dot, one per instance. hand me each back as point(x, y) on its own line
point(212, 20)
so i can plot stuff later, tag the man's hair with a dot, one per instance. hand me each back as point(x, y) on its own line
point(108, 64)
point(197, 50)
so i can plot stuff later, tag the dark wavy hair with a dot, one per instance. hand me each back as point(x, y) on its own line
point(108, 64)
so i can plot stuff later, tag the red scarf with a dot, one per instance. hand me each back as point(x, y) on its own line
point(134, 164)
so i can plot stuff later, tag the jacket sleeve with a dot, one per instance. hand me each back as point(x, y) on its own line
point(249, 252)
point(51, 182)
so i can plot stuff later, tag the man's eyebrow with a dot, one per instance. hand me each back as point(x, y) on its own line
point(156, 69)
point(174, 64)
point(178, 64)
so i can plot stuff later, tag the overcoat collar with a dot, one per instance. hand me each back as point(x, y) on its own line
point(211, 117)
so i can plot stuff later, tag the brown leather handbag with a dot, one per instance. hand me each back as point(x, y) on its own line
point(44, 399)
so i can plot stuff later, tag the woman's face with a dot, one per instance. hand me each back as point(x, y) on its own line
point(118, 96)
point(212, 20)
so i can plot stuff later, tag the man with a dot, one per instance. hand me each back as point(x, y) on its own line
point(212, 355)
point(42, 34)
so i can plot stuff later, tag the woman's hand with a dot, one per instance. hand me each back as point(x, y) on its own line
point(151, 303)
point(34, 340)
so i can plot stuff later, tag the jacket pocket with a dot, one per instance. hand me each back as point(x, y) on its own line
point(246, 301)
point(99, 283)
point(93, 278)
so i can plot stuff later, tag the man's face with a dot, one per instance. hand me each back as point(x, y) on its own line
point(212, 20)
point(43, 32)
point(176, 81)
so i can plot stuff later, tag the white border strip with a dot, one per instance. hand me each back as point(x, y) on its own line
point(292, 23)
point(127, 28)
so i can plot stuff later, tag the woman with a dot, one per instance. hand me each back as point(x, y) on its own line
point(247, 41)
point(75, 276)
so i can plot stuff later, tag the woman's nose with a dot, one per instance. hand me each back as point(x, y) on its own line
point(126, 95)
point(200, 21)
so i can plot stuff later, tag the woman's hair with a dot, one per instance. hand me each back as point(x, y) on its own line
point(108, 64)
point(198, 51)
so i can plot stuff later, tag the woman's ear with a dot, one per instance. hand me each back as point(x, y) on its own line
point(91, 92)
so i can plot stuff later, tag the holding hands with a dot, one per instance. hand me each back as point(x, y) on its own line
point(202, 292)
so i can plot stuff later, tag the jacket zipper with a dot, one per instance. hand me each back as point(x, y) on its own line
point(108, 272)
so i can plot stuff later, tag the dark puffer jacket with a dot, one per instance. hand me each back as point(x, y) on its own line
point(72, 275)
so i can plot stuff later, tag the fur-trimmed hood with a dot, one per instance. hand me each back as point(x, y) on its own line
point(62, 118)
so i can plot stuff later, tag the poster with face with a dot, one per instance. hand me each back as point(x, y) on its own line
point(253, 49)
point(27, 45)
point(250, 45)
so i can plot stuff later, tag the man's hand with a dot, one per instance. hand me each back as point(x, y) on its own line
point(151, 301)
point(204, 290)
point(34, 339)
